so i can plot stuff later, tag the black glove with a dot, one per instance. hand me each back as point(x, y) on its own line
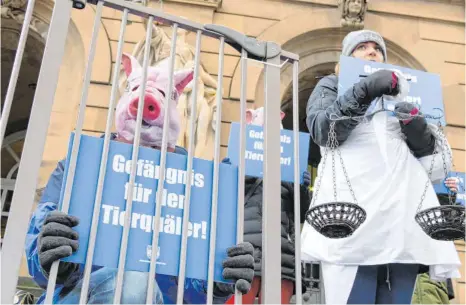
point(407, 112)
point(239, 266)
point(382, 82)
point(57, 240)
point(419, 137)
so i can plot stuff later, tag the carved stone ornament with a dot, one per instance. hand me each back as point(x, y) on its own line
point(11, 6)
point(15, 9)
point(352, 13)
point(14, 3)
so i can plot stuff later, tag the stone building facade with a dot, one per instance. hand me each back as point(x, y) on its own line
point(426, 35)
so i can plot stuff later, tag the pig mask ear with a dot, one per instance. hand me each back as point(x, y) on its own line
point(282, 115)
point(249, 116)
point(182, 79)
point(130, 64)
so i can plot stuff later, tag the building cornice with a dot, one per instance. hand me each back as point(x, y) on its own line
point(209, 3)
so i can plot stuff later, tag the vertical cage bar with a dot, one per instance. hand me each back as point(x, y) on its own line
point(103, 163)
point(163, 161)
point(31, 157)
point(242, 160)
point(76, 141)
point(271, 216)
point(134, 159)
point(189, 172)
point(213, 217)
point(10, 93)
point(297, 196)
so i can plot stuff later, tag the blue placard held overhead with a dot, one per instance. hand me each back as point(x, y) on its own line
point(425, 89)
point(112, 211)
point(255, 151)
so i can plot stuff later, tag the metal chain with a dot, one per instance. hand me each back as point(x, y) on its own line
point(321, 174)
point(334, 142)
point(332, 145)
point(428, 182)
point(319, 180)
point(441, 138)
point(444, 145)
point(347, 178)
point(453, 167)
point(335, 146)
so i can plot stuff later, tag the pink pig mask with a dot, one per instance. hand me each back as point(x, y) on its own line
point(154, 102)
point(256, 117)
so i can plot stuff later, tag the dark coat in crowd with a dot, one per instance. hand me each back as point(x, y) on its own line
point(253, 222)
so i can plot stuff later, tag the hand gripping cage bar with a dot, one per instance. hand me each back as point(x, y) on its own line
point(269, 53)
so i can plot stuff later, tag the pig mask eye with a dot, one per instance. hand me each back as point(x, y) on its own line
point(174, 95)
point(135, 88)
point(161, 92)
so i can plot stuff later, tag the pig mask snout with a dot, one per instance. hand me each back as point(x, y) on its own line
point(155, 106)
point(151, 110)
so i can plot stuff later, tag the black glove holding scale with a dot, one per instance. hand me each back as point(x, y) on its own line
point(419, 137)
point(382, 82)
point(58, 240)
point(239, 266)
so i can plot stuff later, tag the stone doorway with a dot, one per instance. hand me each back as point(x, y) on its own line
point(12, 145)
point(308, 79)
point(18, 119)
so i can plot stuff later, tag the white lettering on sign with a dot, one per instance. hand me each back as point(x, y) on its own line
point(369, 70)
point(253, 134)
point(258, 145)
point(413, 99)
point(260, 157)
point(169, 224)
point(147, 169)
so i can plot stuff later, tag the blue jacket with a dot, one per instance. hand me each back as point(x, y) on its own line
point(195, 290)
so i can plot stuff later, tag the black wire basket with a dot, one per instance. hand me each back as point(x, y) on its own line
point(444, 223)
point(336, 219)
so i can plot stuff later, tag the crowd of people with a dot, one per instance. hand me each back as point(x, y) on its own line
point(387, 260)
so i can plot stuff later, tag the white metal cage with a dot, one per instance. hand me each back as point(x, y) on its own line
point(268, 53)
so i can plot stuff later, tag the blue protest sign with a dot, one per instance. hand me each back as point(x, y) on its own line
point(425, 89)
point(113, 207)
point(440, 188)
point(255, 151)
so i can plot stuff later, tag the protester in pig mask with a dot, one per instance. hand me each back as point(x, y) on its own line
point(253, 219)
point(387, 158)
point(51, 237)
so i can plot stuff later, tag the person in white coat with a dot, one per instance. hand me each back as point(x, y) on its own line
point(387, 159)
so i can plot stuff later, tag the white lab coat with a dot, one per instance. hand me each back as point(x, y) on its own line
point(388, 182)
